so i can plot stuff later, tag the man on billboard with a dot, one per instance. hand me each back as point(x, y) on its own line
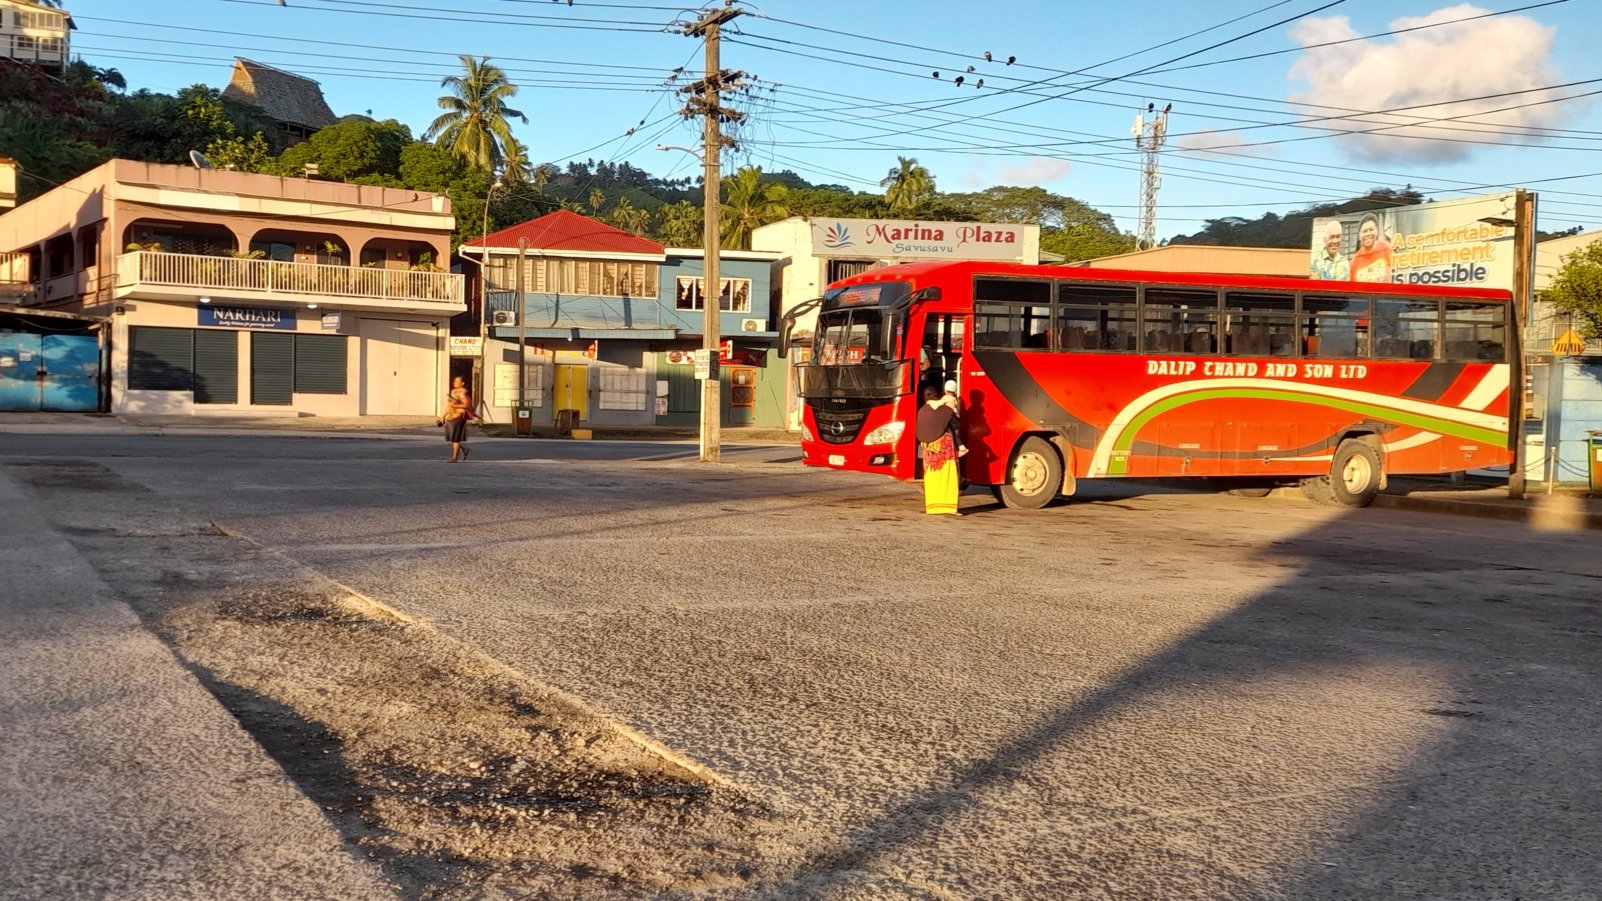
point(1329, 262)
point(1372, 262)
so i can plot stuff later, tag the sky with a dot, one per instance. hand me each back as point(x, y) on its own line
point(1275, 104)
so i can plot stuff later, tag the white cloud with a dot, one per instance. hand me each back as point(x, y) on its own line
point(1232, 142)
point(1036, 171)
point(1433, 66)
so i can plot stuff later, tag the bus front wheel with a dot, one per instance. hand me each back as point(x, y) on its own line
point(1034, 477)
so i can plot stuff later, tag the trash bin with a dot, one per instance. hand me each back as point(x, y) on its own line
point(523, 419)
point(1593, 453)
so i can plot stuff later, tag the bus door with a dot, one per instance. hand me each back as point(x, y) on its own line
point(940, 350)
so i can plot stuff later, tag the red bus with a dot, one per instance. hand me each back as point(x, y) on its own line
point(1069, 373)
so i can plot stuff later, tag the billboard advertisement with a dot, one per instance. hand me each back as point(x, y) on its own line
point(1465, 243)
point(896, 239)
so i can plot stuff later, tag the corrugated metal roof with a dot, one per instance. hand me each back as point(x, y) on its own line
point(565, 230)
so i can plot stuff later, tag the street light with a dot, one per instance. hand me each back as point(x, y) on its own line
point(711, 302)
point(483, 298)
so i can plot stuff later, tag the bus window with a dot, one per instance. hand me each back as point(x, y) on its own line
point(1405, 328)
point(1012, 313)
point(1011, 326)
point(1474, 331)
point(1334, 326)
point(1095, 317)
point(1180, 321)
point(1259, 325)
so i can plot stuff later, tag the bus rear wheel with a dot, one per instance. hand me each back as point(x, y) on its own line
point(1034, 477)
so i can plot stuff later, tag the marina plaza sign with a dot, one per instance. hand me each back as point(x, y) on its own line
point(887, 239)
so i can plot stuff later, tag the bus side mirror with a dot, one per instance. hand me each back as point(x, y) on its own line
point(789, 319)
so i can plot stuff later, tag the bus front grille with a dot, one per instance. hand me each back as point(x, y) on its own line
point(839, 427)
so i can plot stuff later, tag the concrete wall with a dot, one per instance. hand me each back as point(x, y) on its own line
point(139, 312)
point(1573, 407)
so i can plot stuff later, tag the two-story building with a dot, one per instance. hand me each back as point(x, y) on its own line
point(231, 292)
point(609, 323)
point(32, 33)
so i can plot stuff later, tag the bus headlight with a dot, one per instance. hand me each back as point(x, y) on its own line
point(806, 434)
point(889, 433)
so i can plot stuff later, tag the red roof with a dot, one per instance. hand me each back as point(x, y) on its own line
point(565, 230)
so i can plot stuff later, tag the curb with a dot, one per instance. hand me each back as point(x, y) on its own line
point(1529, 512)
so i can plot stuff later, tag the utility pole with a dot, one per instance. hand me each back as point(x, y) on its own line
point(522, 334)
point(1149, 137)
point(1523, 284)
point(705, 100)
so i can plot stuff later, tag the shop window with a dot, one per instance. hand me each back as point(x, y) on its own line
point(622, 388)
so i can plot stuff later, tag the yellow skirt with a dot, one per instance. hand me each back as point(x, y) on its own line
point(940, 489)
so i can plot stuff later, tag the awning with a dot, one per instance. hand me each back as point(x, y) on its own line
point(589, 334)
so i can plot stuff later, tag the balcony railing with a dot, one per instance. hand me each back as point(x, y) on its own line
point(181, 270)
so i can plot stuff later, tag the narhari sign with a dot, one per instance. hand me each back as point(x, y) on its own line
point(886, 239)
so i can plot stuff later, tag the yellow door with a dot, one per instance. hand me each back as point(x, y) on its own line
point(572, 390)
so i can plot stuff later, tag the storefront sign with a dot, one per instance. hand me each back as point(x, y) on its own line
point(744, 356)
point(247, 317)
point(466, 345)
point(331, 321)
point(1467, 243)
point(887, 239)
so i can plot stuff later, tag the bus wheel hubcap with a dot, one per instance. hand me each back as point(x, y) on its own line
point(1355, 474)
point(1029, 474)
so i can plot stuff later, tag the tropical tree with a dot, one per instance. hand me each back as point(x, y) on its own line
point(751, 203)
point(475, 126)
point(1577, 289)
point(515, 168)
point(681, 224)
point(543, 173)
point(629, 217)
point(597, 199)
point(907, 185)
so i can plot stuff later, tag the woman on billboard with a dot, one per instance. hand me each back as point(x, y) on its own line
point(1372, 261)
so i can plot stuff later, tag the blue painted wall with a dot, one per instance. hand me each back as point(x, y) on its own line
point(689, 321)
point(1574, 406)
point(586, 312)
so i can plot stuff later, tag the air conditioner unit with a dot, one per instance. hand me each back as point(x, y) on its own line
point(503, 317)
point(751, 325)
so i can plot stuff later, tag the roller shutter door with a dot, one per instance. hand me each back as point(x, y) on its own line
point(272, 369)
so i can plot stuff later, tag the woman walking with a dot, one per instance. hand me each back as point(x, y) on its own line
point(458, 409)
point(940, 447)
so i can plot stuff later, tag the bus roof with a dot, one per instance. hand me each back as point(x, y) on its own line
point(923, 274)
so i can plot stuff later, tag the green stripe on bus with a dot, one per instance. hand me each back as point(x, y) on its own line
point(1118, 465)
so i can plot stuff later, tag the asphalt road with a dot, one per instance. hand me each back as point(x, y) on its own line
point(1138, 693)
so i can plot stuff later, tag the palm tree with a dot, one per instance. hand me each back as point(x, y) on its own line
point(597, 199)
point(474, 125)
point(907, 185)
point(629, 217)
point(515, 168)
point(543, 173)
point(682, 224)
point(751, 203)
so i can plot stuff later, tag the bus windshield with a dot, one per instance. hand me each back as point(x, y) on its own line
point(850, 336)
